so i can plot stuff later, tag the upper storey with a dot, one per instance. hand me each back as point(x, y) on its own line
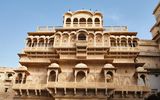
point(83, 19)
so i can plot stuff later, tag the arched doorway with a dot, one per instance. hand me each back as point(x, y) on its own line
point(81, 36)
point(80, 77)
point(52, 76)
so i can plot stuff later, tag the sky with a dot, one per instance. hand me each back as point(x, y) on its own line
point(17, 17)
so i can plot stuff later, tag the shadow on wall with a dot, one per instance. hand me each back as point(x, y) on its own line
point(154, 97)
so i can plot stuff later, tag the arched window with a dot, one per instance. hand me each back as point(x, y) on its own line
point(143, 78)
point(51, 42)
point(68, 21)
point(52, 76)
point(89, 21)
point(97, 21)
point(75, 21)
point(135, 43)
point(29, 42)
point(41, 42)
point(34, 42)
point(123, 42)
point(129, 42)
point(91, 39)
point(80, 76)
point(19, 78)
point(98, 39)
point(82, 21)
point(113, 42)
point(9, 75)
point(81, 36)
point(109, 76)
point(25, 77)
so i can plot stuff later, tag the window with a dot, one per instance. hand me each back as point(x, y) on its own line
point(97, 21)
point(109, 76)
point(52, 76)
point(82, 21)
point(75, 21)
point(9, 75)
point(80, 76)
point(81, 36)
point(68, 21)
point(6, 89)
point(89, 21)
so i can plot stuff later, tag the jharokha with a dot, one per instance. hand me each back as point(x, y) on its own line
point(85, 60)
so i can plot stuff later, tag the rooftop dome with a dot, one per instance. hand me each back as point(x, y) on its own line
point(140, 69)
point(108, 66)
point(54, 65)
point(81, 65)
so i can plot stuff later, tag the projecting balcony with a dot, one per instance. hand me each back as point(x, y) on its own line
point(28, 86)
point(124, 49)
point(27, 49)
point(81, 43)
point(92, 85)
point(39, 60)
point(96, 85)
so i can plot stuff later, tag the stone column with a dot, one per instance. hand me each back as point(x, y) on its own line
point(56, 75)
point(48, 73)
point(23, 75)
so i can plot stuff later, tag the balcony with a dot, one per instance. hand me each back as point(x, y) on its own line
point(93, 85)
point(124, 49)
point(96, 85)
point(28, 49)
point(81, 43)
point(28, 86)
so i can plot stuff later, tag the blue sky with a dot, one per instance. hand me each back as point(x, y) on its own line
point(17, 17)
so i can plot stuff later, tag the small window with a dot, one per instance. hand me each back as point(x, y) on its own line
point(6, 89)
point(9, 75)
point(97, 21)
point(81, 37)
point(68, 21)
point(75, 21)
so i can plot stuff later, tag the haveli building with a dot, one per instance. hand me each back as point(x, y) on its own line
point(85, 60)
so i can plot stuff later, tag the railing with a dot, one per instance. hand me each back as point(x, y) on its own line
point(116, 28)
point(28, 86)
point(80, 85)
point(37, 49)
point(81, 43)
point(107, 28)
point(131, 49)
point(99, 85)
point(45, 28)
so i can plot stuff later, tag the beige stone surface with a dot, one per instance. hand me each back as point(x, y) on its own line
point(85, 60)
